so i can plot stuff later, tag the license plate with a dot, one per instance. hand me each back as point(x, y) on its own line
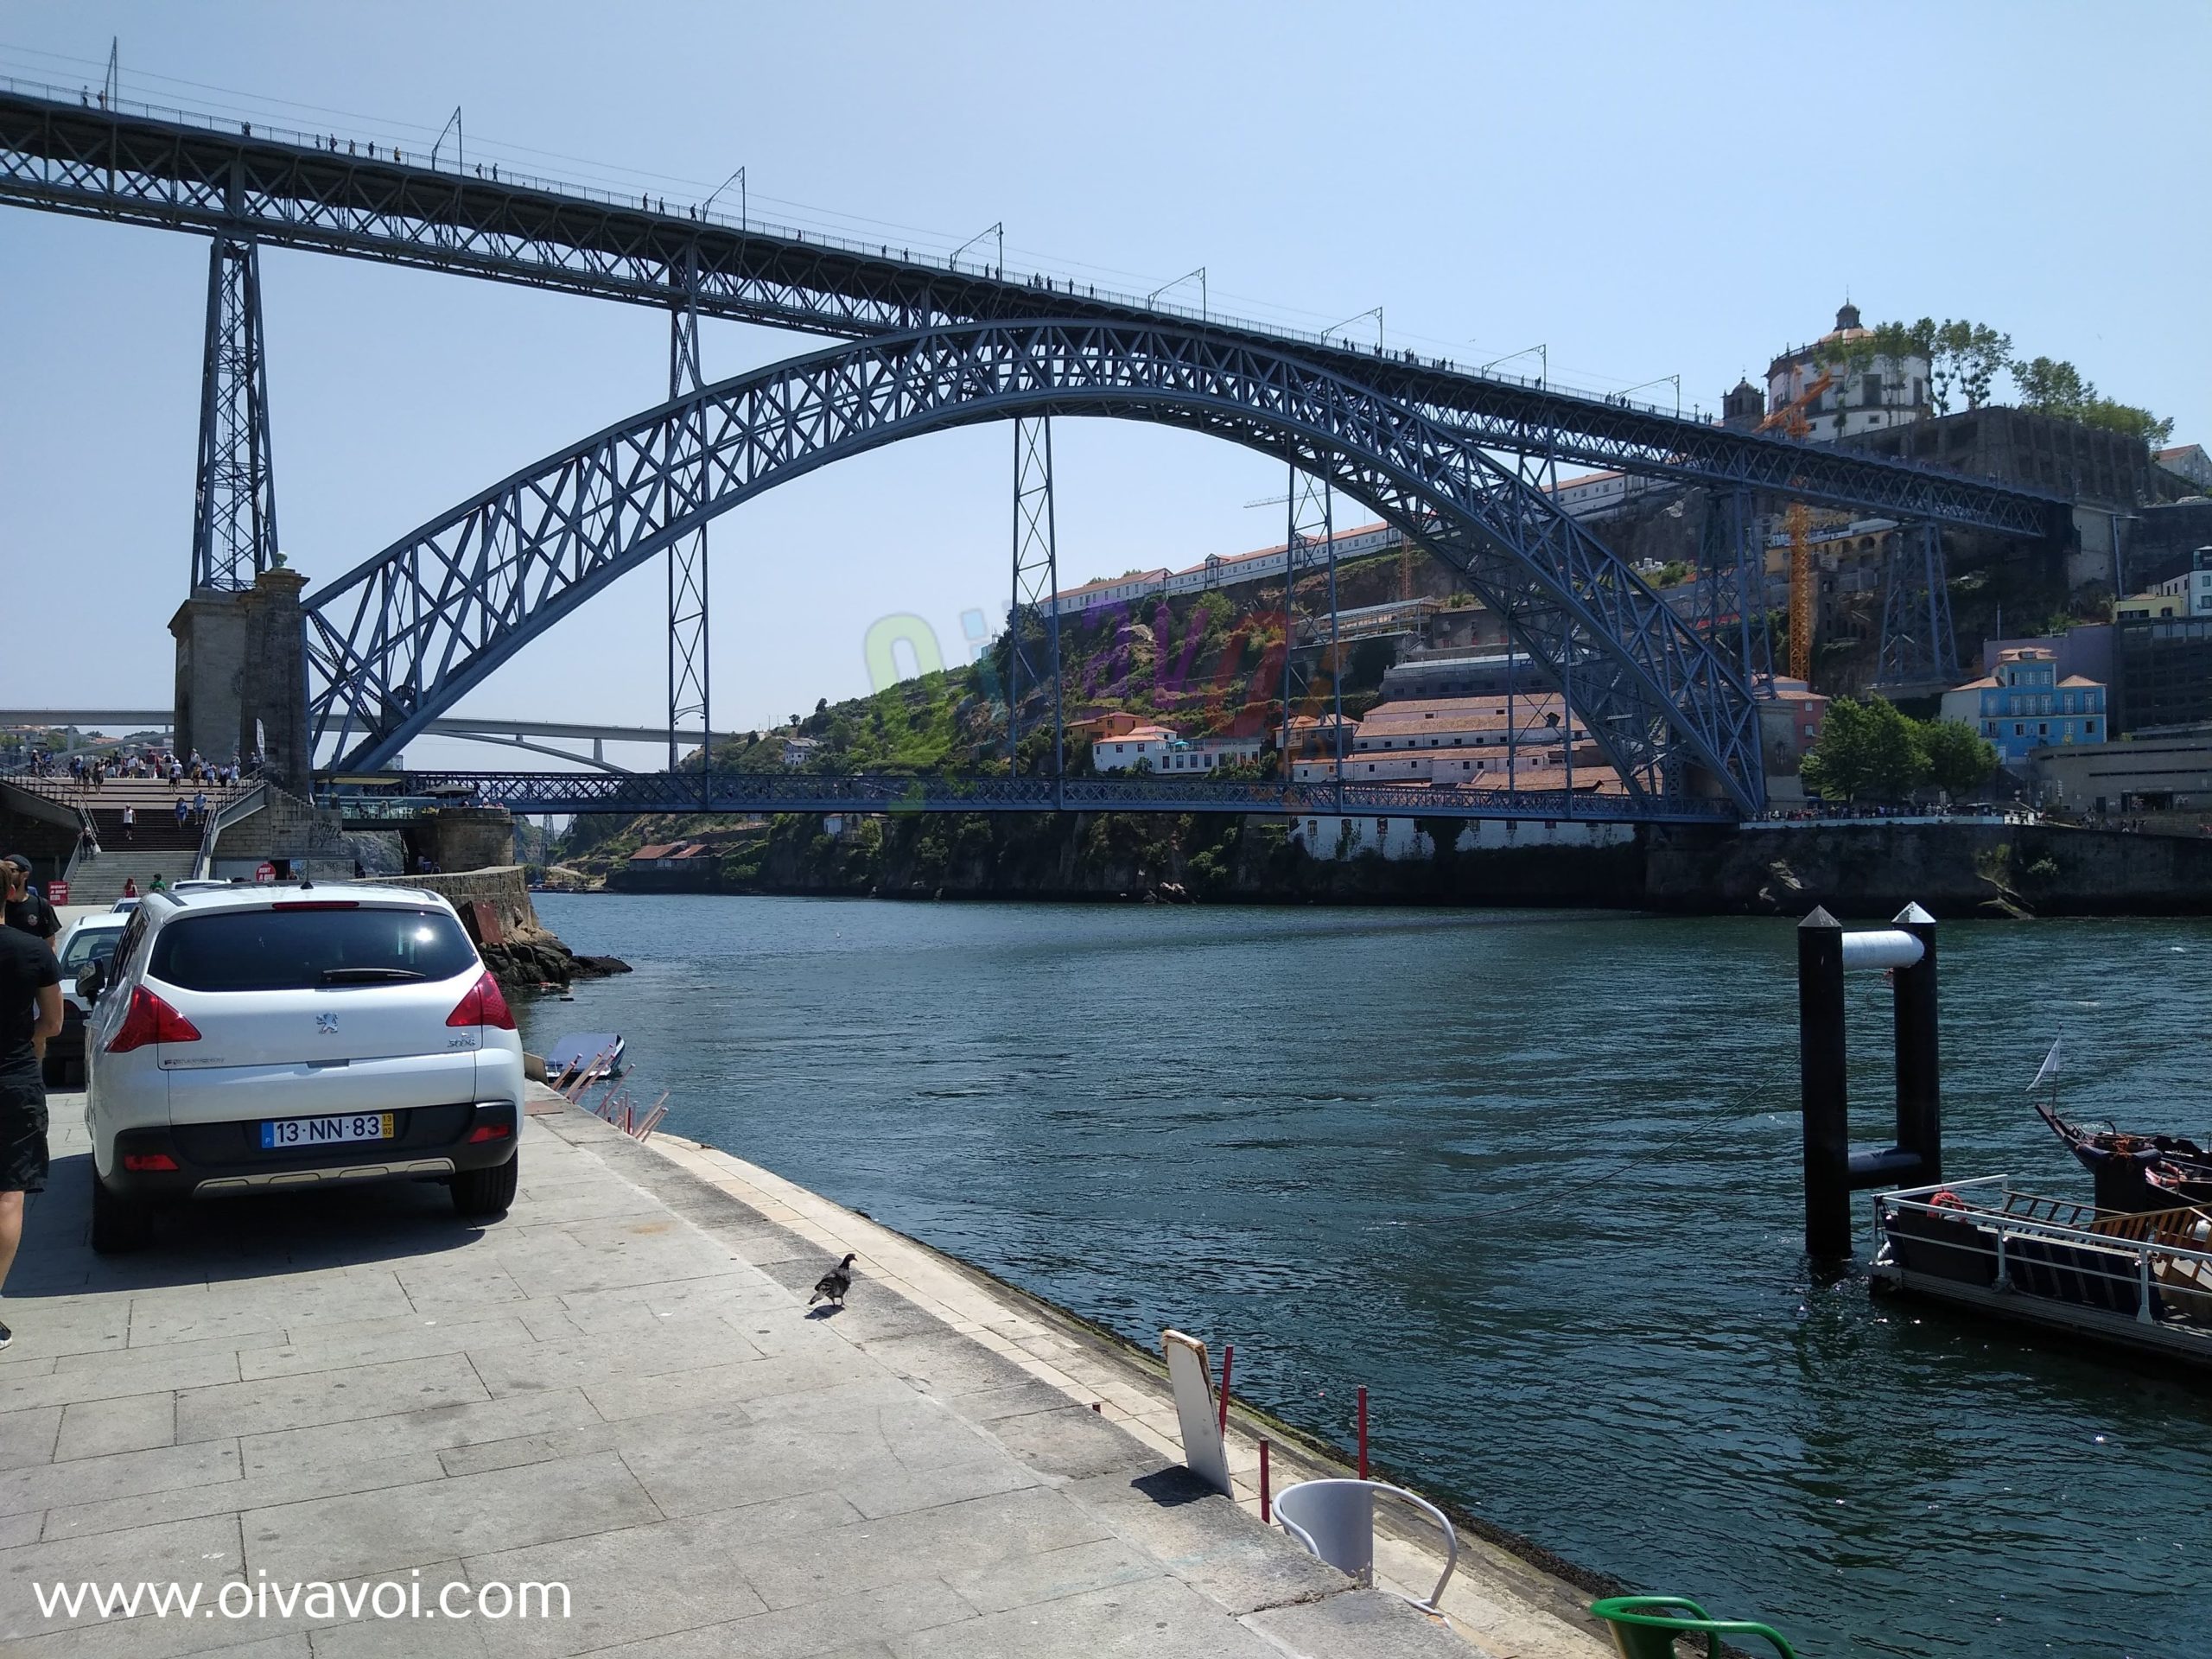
point(286, 1132)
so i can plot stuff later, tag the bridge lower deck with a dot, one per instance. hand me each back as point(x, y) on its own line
point(567, 792)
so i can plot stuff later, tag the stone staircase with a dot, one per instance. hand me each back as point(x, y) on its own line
point(156, 844)
point(99, 881)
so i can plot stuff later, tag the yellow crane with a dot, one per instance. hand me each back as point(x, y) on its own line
point(1804, 582)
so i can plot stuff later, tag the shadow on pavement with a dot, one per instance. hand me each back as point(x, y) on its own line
point(231, 1239)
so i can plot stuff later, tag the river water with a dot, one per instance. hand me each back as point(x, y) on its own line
point(1532, 1178)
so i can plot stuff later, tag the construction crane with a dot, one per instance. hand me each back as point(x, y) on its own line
point(1805, 584)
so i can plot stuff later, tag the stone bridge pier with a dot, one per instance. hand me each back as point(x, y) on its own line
point(242, 677)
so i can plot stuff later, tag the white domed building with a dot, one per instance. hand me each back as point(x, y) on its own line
point(1842, 400)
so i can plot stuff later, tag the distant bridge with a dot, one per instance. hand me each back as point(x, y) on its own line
point(509, 734)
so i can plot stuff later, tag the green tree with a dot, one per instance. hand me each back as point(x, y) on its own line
point(2128, 421)
point(2052, 387)
point(1867, 751)
point(1960, 760)
point(1975, 352)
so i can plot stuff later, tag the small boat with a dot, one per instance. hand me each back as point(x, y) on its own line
point(2134, 1172)
point(2140, 1279)
point(586, 1057)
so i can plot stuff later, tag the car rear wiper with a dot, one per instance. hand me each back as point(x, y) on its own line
point(359, 975)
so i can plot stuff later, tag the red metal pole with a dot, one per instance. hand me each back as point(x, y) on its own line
point(1228, 1359)
point(1362, 1431)
point(1264, 1515)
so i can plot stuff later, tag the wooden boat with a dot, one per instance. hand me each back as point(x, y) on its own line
point(586, 1057)
point(2133, 1171)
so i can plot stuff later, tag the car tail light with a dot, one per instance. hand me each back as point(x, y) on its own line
point(317, 903)
point(483, 1006)
point(484, 1132)
point(142, 1163)
point(150, 1020)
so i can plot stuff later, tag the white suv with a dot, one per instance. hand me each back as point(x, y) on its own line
point(250, 1040)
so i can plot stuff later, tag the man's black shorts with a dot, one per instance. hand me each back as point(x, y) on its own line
point(22, 1128)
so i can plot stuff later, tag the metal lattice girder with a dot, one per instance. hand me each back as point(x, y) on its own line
point(398, 639)
point(1731, 608)
point(687, 561)
point(1032, 621)
point(1919, 647)
point(565, 793)
point(234, 493)
point(60, 156)
point(1310, 639)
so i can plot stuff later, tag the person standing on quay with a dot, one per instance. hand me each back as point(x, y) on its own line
point(30, 1012)
point(27, 910)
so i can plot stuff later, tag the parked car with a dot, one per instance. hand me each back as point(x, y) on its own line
point(88, 939)
point(125, 906)
point(255, 1039)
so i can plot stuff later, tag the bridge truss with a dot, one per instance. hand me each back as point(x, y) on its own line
point(397, 640)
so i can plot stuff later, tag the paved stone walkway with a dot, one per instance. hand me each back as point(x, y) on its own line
point(618, 1387)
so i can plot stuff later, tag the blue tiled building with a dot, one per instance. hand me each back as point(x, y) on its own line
point(2025, 705)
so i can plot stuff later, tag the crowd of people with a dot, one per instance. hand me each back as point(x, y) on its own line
point(1825, 812)
point(93, 771)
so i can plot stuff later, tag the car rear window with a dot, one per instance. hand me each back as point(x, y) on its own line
point(88, 945)
point(300, 949)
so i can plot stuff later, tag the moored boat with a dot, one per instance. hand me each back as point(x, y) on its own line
point(2141, 1278)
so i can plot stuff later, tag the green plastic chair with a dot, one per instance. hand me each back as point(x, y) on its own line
point(1644, 1627)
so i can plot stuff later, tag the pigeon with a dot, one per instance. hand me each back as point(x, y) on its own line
point(832, 1286)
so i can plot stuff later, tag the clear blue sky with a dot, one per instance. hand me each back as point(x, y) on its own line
point(1649, 190)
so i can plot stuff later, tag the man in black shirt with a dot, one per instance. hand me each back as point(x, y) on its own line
point(27, 909)
point(30, 1012)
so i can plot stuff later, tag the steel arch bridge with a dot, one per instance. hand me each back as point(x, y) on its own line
point(397, 640)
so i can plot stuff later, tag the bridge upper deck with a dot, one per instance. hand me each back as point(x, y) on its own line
point(181, 171)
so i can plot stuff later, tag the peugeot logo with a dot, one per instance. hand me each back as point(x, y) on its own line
point(326, 1023)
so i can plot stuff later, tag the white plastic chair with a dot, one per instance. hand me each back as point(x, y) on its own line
point(1335, 1519)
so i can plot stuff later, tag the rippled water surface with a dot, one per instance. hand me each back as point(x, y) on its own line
point(1533, 1178)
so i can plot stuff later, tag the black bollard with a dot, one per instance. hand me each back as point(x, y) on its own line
point(1919, 1061)
point(1823, 1088)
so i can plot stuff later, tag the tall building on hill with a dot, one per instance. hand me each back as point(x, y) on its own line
point(1842, 399)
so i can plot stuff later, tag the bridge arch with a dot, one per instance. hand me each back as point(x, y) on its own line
point(401, 637)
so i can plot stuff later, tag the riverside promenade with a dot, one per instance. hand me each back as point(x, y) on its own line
point(618, 1388)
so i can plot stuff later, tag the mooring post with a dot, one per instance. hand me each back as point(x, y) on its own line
point(1920, 1088)
point(1824, 1090)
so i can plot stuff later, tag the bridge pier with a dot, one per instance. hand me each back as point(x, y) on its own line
point(242, 677)
point(211, 640)
point(1919, 649)
point(458, 838)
